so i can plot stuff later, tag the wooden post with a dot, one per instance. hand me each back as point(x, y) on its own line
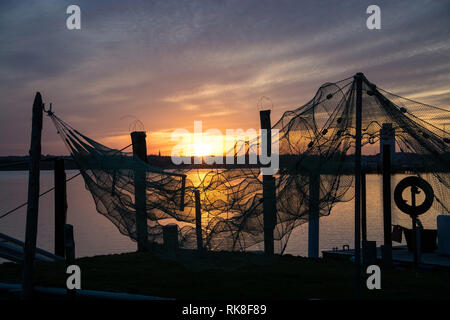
point(387, 219)
point(414, 234)
point(170, 239)
point(198, 220)
point(313, 222)
point(387, 136)
point(69, 244)
point(138, 138)
point(363, 207)
point(414, 240)
point(369, 248)
point(419, 230)
point(358, 111)
point(33, 198)
point(69, 247)
point(269, 190)
point(140, 198)
point(247, 151)
point(60, 205)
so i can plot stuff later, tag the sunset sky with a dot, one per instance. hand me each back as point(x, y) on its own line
point(170, 63)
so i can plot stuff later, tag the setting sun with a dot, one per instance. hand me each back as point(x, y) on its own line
point(202, 149)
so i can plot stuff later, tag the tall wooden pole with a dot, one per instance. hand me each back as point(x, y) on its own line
point(269, 190)
point(33, 198)
point(358, 78)
point(60, 205)
point(198, 220)
point(140, 198)
point(387, 214)
point(313, 222)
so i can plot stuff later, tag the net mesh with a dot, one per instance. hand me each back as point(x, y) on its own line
point(316, 145)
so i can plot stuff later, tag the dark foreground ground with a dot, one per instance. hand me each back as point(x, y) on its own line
point(234, 276)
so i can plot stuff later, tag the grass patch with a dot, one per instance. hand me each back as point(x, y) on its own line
point(227, 275)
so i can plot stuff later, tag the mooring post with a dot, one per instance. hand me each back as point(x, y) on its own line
point(358, 117)
point(170, 239)
point(140, 198)
point(387, 214)
point(198, 220)
point(313, 222)
point(269, 190)
point(33, 198)
point(69, 248)
point(60, 205)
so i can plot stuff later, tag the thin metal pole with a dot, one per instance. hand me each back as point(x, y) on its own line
point(33, 198)
point(358, 78)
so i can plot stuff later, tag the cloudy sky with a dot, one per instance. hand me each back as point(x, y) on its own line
point(168, 63)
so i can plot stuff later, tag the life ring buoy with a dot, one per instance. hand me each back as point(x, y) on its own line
point(418, 183)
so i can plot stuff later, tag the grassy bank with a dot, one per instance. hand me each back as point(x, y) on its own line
point(233, 275)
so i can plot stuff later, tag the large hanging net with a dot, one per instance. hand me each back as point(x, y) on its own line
point(316, 145)
point(111, 176)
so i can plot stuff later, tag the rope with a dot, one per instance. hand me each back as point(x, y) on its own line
point(42, 194)
point(49, 190)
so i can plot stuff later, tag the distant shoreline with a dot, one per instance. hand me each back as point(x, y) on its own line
point(404, 163)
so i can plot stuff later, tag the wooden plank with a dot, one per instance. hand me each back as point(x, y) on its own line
point(39, 252)
point(87, 294)
point(17, 252)
point(400, 254)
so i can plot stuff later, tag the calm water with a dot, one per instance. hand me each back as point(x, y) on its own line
point(95, 234)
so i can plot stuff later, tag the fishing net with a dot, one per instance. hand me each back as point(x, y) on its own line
point(316, 147)
point(111, 176)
